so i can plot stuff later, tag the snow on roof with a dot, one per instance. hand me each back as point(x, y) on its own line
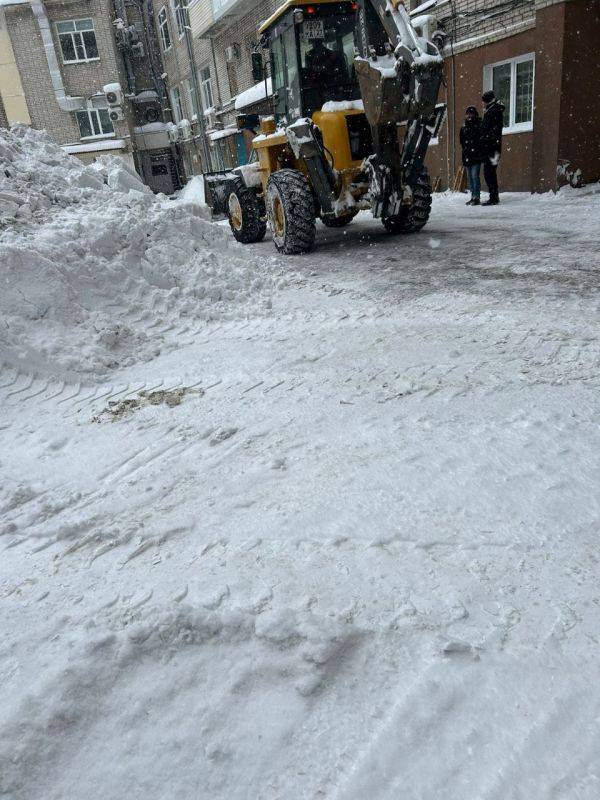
point(222, 134)
point(94, 147)
point(145, 96)
point(14, 2)
point(154, 127)
point(111, 87)
point(254, 94)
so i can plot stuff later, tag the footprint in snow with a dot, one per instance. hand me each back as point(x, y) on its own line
point(221, 435)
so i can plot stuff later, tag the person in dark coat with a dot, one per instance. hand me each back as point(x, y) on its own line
point(491, 144)
point(470, 136)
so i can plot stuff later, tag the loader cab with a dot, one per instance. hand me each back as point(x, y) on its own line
point(312, 51)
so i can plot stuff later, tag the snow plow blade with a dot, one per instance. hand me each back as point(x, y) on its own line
point(216, 190)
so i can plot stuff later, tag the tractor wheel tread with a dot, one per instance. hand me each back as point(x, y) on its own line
point(298, 208)
point(413, 218)
point(254, 221)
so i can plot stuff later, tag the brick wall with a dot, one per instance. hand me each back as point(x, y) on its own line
point(244, 32)
point(444, 159)
point(82, 80)
point(33, 68)
point(565, 133)
point(176, 59)
point(209, 51)
point(579, 137)
point(467, 20)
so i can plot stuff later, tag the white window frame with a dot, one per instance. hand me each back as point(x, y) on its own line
point(512, 127)
point(94, 110)
point(179, 9)
point(203, 81)
point(161, 26)
point(191, 102)
point(71, 34)
point(176, 106)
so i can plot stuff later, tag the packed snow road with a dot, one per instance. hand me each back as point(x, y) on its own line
point(339, 541)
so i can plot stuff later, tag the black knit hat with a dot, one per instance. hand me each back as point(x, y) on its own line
point(472, 110)
point(487, 97)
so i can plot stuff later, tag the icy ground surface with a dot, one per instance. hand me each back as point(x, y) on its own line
point(343, 546)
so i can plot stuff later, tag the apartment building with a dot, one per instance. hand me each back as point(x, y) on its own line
point(541, 58)
point(88, 71)
point(61, 57)
point(188, 92)
point(206, 51)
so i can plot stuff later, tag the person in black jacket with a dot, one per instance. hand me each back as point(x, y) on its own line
point(470, 135)
point(491, 144)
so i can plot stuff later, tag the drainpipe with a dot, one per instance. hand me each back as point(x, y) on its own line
point(196, 90)
point(65, 101)
point(214, 58)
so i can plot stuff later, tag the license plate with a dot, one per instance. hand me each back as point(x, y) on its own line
point(313, 29)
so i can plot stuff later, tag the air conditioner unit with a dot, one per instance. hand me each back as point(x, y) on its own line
point(210, 120)
point(185, 129)
point(113, 94)
point(116, 114)
point(147, 107)
point(232, 53)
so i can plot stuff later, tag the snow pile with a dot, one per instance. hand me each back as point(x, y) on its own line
point(36, 174)
point(222, 134)
point(351, 554)
point(193, 192)
point(97, 684)
point(115, 274)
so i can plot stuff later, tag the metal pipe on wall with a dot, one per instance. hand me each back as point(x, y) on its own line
point(65, 101)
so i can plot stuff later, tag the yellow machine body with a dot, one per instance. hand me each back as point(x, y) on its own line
point(274, 152)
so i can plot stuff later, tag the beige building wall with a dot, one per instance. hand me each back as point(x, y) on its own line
point(13, 106)
point(80, 80)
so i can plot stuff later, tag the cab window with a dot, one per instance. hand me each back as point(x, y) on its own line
point(327, 60)
point(277, 66)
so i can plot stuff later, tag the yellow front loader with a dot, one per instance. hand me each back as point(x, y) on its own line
point(354, 107)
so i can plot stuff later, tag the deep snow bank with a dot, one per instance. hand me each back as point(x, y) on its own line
point(97, 272)
point(36, 174)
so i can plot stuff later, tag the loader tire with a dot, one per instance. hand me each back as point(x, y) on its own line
point(291, 212)
point(338, 222)
point(246, 213)
point(412, 218)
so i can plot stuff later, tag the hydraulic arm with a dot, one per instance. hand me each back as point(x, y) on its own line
point(399, 75)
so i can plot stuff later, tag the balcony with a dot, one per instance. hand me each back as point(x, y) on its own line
point(201, 17)
point(209, 18)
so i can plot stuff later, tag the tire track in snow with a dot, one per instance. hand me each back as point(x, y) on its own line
point(475, 717)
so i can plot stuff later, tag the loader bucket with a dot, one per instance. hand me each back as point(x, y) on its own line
point(383, 95)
